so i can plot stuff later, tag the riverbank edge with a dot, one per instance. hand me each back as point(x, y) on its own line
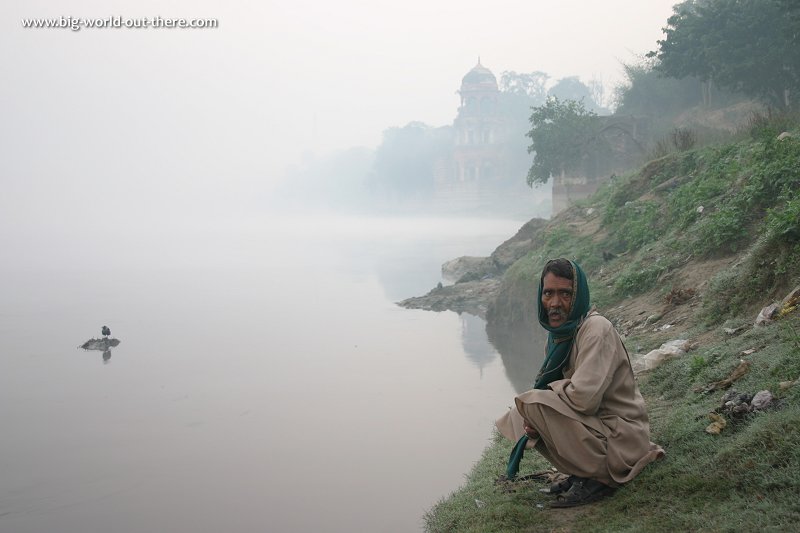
point(696, 486)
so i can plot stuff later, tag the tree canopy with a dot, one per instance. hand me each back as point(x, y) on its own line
point(404, 161)
point(572, 88)
point(531, 85)
point(747, 46)
point(647, 92)
point(563, 134)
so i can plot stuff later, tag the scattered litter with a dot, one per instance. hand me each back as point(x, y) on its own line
point(511, 485)
point(665, 327)
point(767, 314)
point(737, 373)
point(679, 296)
point(678, 345)
point(736, 404)
point(787, 384)
point(751, 351)
point(717, 425)
point(479, 503)
point(700, 209)
point(655, 357)
point(790, 303)
point(733, 331)
point(761, 400)
point(652, 319)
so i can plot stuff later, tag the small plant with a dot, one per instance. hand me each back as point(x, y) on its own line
point(790, 334)
point(764, 126)
point(638, 278)
point(679, 296)
point(660, 149)
point(683, 139)
point(697, 365)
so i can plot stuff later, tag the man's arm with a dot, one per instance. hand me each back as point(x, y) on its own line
point(596, 362)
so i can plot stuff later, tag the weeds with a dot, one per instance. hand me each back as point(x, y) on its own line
point(683, 139)
point(748, 477)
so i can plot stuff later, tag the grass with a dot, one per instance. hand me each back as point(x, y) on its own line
point(745, 479)
point(748, 477)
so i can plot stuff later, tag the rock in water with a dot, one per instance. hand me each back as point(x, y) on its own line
point(99, 344)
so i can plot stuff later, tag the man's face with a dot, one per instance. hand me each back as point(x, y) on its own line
point(556, 298)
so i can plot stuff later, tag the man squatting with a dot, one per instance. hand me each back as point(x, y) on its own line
point(585, 413)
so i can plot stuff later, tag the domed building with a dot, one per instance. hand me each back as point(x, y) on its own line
point(478, 127)
point(488, 160)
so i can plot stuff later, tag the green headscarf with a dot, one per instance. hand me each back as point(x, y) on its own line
point(559, 346)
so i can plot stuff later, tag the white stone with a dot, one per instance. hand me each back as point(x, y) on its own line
point(762, 399)
point(654, 358)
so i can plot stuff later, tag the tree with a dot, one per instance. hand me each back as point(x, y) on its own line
point(744, 46)
point(532, 85)
point(572, 88)
point(563, 135)
point(649, 93)
point(405, 160)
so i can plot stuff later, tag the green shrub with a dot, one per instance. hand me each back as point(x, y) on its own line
point(639, 277)
point(638, 223)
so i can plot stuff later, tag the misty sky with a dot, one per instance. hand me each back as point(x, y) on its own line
point(137, 122)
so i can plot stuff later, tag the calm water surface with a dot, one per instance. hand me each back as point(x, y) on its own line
point(266, 380)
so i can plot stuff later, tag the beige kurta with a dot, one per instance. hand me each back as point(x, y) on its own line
point(593, 423)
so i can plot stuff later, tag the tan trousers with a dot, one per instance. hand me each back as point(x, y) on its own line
point(571, 446)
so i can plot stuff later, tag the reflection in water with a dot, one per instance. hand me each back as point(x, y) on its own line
point(476, 344)
point(185, 434)
point(105, 344)
point(522, 351)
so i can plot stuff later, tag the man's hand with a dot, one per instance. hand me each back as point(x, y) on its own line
point(532, 433)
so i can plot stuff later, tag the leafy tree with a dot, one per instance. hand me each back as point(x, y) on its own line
point(563, 135)
point(405, 160)
point(745, 46)
point(530, 85)
point(647, 92)
point(519, 92)
point(572, 88)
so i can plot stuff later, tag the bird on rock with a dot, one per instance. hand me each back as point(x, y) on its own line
point(106, 332)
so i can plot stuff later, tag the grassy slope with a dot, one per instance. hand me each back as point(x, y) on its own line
point(737, 253)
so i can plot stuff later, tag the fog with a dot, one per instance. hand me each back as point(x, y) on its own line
point(115, 124)
point(138, 178)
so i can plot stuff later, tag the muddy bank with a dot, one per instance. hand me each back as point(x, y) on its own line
point(477, 280)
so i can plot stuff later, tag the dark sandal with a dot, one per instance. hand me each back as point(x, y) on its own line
point(562, 486)
point(581, 492)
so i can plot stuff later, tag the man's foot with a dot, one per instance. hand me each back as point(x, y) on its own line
point(561, 486)
point(581, 492)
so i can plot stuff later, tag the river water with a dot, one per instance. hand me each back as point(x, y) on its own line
point(265, 380)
